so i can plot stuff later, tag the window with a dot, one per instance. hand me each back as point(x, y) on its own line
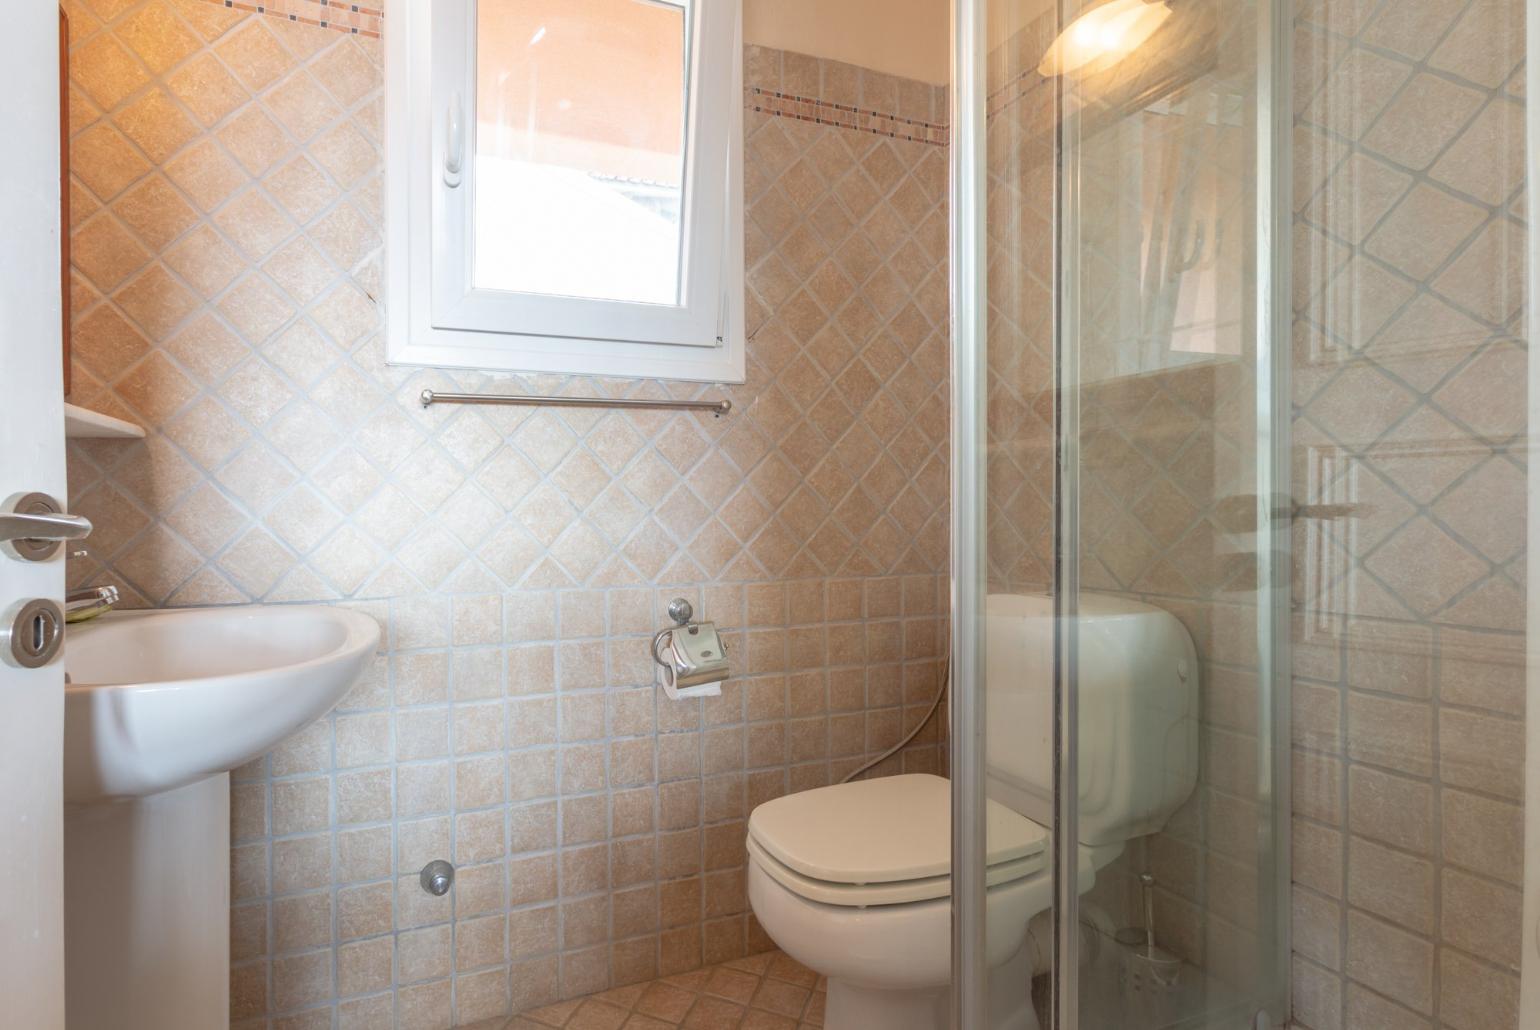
point(564, 187)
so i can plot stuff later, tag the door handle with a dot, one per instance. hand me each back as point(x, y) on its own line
point(34, 528)
point(50, 526)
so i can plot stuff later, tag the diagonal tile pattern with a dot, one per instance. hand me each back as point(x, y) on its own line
point(768, 991)
point(1409, 410)
point(846, 389)
point(227, 190)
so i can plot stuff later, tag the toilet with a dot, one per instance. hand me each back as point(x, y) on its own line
point(854, 880)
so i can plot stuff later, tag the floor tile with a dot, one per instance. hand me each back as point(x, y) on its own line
point(711, 1013)
point(768, 991)
point(665, 1001)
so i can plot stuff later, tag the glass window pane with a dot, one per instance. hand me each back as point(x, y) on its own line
point(580, 147)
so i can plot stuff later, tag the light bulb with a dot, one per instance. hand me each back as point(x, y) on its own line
point(1103, 36)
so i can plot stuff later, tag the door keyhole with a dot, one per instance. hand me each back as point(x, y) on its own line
point(33, 635)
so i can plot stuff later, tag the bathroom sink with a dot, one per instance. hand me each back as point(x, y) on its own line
point(158, 700)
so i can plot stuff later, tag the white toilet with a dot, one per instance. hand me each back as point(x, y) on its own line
point(854, 880)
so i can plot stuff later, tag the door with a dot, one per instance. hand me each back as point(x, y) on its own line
point(31, 461)
point(1170, 377)
point(1121, 581)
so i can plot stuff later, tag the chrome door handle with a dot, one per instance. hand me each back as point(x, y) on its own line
point(33, 527)
point(49, 526)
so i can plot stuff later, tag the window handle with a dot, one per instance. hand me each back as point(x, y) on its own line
point(454, 142)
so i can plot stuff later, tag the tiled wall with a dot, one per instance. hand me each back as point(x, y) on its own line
point(1409, 376)
point(1019, 531)
point(227, 170)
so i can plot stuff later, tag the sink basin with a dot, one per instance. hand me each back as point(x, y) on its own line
point(158, 700)
point(159, 707)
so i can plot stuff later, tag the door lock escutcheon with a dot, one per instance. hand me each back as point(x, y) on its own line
point(32, 634)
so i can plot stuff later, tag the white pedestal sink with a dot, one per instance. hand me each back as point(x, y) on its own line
point(159, 708)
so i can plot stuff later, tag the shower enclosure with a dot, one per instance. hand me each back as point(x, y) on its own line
point(1239, 323)
point(1131, 460)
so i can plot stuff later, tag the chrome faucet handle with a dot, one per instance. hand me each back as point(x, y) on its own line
point(89, 602)
point(96, 593)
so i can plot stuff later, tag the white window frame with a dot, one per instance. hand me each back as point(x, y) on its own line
point(434, 317)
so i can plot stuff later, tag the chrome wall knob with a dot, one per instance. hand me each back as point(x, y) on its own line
point(437, 877)
point(680, 611)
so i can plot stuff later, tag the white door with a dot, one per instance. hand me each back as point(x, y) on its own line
point(31, 461)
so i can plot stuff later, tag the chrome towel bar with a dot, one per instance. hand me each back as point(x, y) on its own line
point(717, 408)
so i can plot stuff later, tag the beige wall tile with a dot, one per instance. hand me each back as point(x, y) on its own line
point(1481, 752)
point(424, 1006)
point(1474, 995)
point(1366, 1009)
point(1395, 734)
point(1316, 995)
point(1391, 961)
point(366, 910)
point(1391, 808)
point(1481, 917)
point(1391, 884)
point(300, 980)
point(1482, 835)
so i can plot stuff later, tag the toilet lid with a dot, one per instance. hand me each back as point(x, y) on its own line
point(894, 829)
point(899, 892)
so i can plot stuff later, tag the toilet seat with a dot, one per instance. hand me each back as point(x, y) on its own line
point(882, 842)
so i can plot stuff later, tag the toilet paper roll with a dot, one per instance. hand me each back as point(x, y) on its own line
point(677, 693)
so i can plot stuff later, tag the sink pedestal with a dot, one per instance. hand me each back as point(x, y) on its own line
point(147, 911)
point(159, 707)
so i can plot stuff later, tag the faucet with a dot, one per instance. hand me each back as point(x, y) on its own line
point(89, 602)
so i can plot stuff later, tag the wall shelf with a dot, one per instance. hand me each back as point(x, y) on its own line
point(83, 423)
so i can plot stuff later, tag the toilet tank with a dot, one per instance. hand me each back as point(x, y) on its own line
point(1138, 690)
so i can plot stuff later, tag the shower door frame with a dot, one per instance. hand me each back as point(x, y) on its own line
point(1529, 966)
point(1272, 316)
point(969, 317)
point(1275, 495)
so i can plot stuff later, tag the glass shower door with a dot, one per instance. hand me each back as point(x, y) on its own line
point(1170, 526)
point(1123, 604)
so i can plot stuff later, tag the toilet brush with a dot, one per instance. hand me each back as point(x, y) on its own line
point(1150, 972)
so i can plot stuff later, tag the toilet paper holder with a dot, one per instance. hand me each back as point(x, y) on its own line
point(691, 656)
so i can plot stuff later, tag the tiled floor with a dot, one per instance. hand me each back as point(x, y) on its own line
point(762, 992)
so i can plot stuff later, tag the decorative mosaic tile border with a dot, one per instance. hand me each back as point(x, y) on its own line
point(337, 15)
point(369, 21)
point(846, 116)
